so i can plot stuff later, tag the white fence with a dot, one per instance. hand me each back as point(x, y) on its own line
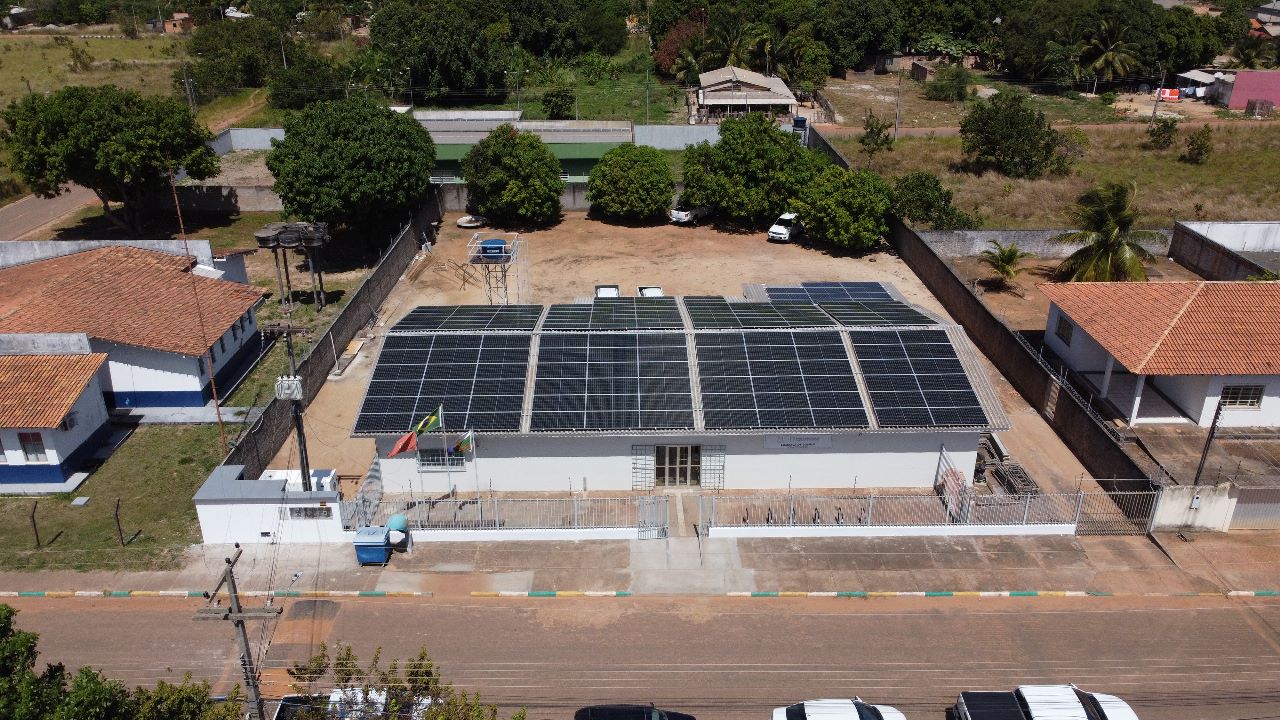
point(506, 513)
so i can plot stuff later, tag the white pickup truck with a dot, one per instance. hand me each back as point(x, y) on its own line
point(1042, 702)
point(852, 709)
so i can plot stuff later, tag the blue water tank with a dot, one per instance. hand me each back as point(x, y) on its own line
point(398, 522)
point(373, 545)
point(799, 122)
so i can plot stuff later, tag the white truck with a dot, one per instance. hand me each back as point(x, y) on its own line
point(786, 228)
point(839, 709)
point(1041, 702)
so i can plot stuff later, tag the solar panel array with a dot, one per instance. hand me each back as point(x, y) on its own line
point(612, 381)
point(642, 313)
point(870, 313)
point(718, 313)
point(777, 380)
point(915, 379)
point(479, 379)
point(434, 318)
point(817, 292)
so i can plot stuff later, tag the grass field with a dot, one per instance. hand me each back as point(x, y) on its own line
point(10, 188)
point(1240, 182)
point(35, 61)
point(154, 474)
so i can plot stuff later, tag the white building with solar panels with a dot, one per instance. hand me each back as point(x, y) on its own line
point(823, 385)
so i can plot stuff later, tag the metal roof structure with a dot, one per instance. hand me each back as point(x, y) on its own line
point(635, 366)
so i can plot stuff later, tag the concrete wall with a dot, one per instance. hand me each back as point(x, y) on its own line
point(889, 531)
point(1187, 393)
point(453, 197)
point(234, 139)
point(246, 523)
point(675, 137)
point(1084, 354)
point(968, 243)
point(538, 463)
point(44, 344)
point(1210, 249)
point(1215, 504)
point(64, 450)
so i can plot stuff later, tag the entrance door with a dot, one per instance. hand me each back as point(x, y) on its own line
point(677, 465)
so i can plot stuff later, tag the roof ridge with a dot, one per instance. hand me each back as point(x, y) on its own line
point(1169, 328)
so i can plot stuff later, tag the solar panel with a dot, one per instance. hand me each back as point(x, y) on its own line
point(777, 380)
point(643, 313)
point(708, 312)
point(478, 379)
point(468, 317)
point(817, 292)
point(866, 313)
point(612, 381)
point(915, 379)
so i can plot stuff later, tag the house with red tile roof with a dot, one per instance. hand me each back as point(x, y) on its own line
point(52, 418)
point(164, 326)
point(1171, 352)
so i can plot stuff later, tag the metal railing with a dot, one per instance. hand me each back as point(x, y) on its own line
point(1105, 515)
point(1064, 383)
point(499, 513)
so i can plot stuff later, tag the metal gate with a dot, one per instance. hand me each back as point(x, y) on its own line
point(1117, 513)
point(1257, 509)
point(652, 517)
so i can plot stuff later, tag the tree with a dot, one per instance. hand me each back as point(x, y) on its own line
point(1007, 134)
point(558, 102)
point(950, 83)
point(751, 174)
point(1003, 261)
point(803, 62)
point(1233, 23)
point(1105, 217)
point(1252, 52)
point(118, 143)
point(1188, 40)
point(665, 14)
point(875, 136)
point(847, 208)
point(352, 163)
point(730, 42)
point(1162, 133)
point(684, 35)
point(442, 46)
point(512, 177)
point(308, 79)
point(1109, 55)
point(1199, 146)
point(857, 29)
point(687, 67)
point(631, 182)
point(602, 31)
point(232, 55)
point(920, 197)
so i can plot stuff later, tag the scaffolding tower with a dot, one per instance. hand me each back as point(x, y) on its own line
point(502, 259)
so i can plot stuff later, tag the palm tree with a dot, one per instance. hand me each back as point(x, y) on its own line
point(1111, 55)
point(1112, 250)
point(730, 43)
point(687, 67)
point(1252, 52)
point(1003, 261)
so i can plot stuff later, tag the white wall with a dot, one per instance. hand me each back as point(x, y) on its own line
point(888, 530)
point(1084, 354)
point(135, 369)
point(91, 413)
point(233, 339)
point(1242, 236)
point(1214, 507)
point(559, 464)
point(1266, 416)
point(222, 523)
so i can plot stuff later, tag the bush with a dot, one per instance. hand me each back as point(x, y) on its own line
point(846, 208)
point(949, 83)
point(1007, 134)
point(631, 183)
point(513, 177)
point(920, 197)
point(1108, 98)
point(1199, 146)
point(558, 103)
point(1162, 133)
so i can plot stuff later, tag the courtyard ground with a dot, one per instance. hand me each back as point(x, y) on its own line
point(570, 259)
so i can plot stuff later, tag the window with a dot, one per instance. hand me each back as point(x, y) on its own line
point(439, 461)
point(1064, 330)
point(1247, 397)
point(33, 447)
point(676, 465)
point(310, 513)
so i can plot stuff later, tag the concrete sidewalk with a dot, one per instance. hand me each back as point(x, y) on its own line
point(1123, 565)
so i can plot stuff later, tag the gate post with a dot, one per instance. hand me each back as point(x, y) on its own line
point(1155, 507)
point(871, 505)
point(1079, 505)
point(1026, 509)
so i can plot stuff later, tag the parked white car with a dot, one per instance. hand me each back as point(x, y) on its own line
point(1042, 702)
point(786, 228)
point(840, 709)
point(690, 216)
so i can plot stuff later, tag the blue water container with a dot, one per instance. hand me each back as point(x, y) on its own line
point(398, 522)
point(373, 545)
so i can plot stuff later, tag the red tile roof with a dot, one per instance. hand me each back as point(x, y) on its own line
point(124, 295)
point(37, 391)
point(1179, 328)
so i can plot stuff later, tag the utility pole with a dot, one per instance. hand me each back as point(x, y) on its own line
point(646, 96)
point(897, 107)
point(283, 58)
point(1155, 105)
point(1208, 441)
point(238, 615)
point(186, 83)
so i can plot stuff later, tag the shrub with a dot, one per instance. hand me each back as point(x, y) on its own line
point(631, 183)
point(1162, 133)
point(1199, 146)
point(949, 83)
point(846, 208)
point(1108, 98)
point(921, 197)
point(558, 103)
point(1007, 134)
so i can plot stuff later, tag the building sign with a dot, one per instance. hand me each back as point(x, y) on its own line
point(796, 442)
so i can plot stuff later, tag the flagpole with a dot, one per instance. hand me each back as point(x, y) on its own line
point(475, 466)
point(444, 445)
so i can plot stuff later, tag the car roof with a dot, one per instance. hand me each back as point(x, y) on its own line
point(787, 216)
point(835, 709)
point(1053, 702)
point(1114, 707)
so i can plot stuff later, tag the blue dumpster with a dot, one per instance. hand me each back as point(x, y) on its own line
point(373, 545)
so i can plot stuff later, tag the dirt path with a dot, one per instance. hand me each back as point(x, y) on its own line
point(257, 100)
point(954, 130)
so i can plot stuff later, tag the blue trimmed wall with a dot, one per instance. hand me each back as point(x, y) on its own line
point(232, 369)
point(13, 474)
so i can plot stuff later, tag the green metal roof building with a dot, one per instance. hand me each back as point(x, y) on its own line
point(576, 160)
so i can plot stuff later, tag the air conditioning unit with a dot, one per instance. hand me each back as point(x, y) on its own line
point(68, 422)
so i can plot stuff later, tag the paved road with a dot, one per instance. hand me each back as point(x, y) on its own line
point(32, 213)
point(720, 658)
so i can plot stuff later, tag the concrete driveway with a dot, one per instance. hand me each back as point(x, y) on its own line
point(31, 214)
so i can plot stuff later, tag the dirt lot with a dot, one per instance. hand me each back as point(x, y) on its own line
point(1024, 307)
point(567, 261)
